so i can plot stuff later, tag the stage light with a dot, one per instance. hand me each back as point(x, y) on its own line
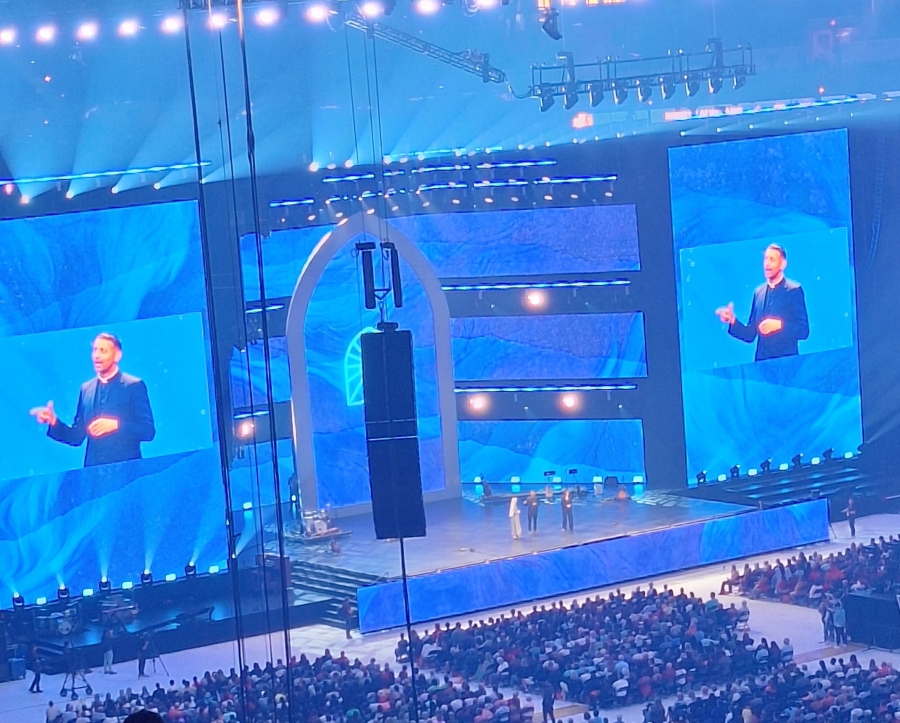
point(735, 471)
point(190, 570)
point(722, 477)
point(535, 299)
point(371, 9)
point(70, 194)
point(87, 592)
point(815, 461)
point(752, 472)
point(848, 455)
point(24, 200)
point(247, 506)
point(569, 401)
point(172, 24)
point(488, 4)
point(171, 577)
point(217, 21)
point(701, 478)
point(550, 23)
point(7, 36)
point(545, 93)
point(146, 578)
point(427, 7)
point(266, 17)
point(45, 34)
point(87, 31)
point(478, 402)
point(62, 592)
point(8, 188)
point(317, 13)
point(644, 92)
point(41, 601)
point(667, 88)
point(595, 94)
point(715, 84)
point(797, 460)
point(127, 585)
point(18, 600)
point(828, 454)
point(783, 467)
point(620, 95)
point(245, 430)
point(570, 97)
point(105, 585)
point(691, 87)
point(128, 28)
point(765, 466)
point(739, 81)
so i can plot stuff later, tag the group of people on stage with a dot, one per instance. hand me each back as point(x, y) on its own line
point(532, 504)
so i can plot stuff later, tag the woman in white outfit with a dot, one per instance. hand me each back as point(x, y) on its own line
point(515, 525)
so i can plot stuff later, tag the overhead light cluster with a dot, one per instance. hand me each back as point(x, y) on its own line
point(710, 69)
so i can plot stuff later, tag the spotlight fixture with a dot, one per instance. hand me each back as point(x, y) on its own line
point(7, 36)
point(739, 81)
point(569, 401)
point(715, 84)
point(765, 466)
point(828, 454)
point(645, 90)
point(45, 34)
point(620, 95)
point(595, 94)
point(18, 600)
point(477, 402)
point(691, 87)
point(87, 31)
point(128, 28)
point(317, 13)
point(545, 93)
point(105, 585)
point(217, 21)
point(266, 17)
point(190, 570)
point(146, 577)
point(245, 430)
point(62, 592)
point(371, 9)
point(534, 299)
point(427, 7)
point(172, 24)
point(667, 88)
point(735, 471)
point(570, 97)
point(797, 460)
point(550, 23)
point(701, 478)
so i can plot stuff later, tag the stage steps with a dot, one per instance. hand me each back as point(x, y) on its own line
point(334, 582)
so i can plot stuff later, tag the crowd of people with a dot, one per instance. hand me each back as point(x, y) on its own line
point(822, 581)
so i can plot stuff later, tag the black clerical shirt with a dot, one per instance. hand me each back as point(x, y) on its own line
point(784, 301)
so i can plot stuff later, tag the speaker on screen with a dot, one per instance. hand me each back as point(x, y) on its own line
point(392, 442)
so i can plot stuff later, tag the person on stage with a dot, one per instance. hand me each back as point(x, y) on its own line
point(113, 410)
point(515, 524)
point(568, 521)
point(107, 643)
point(143, 655)
point(778, 317)
point(531, 505)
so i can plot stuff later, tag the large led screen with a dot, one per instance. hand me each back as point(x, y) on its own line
point(551, 346)
point(110, 460)
point(766, 300)
point(500, 450)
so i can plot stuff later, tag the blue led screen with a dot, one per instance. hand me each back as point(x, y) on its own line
point(585, 239)
point(515, 580)
point(101, 503)
point(753, 392)
point(248, 368)
point(573, 346)
point(284, 255)
point(500, 450)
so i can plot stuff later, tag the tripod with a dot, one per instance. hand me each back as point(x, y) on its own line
point(153, 656)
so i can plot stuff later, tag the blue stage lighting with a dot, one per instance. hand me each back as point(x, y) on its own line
point(62, 592)
point(106, 174)
point(171, 577)
point(190, 570)
point(18, 600)
point(213, 569)
point(87, 592)
point(87, 31)
point(127, 585)
point(146, 577)
point(105, 585)
point(41, 601)
point(7, 36)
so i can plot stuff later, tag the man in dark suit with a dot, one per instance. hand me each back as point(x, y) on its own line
point(778, 314)
point(113, 410)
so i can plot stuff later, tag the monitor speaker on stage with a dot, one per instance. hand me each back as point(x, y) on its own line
point(611, 482)
point(392, 441)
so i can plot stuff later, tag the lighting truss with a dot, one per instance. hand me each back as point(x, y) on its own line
point(471, 61)
point(567, 79)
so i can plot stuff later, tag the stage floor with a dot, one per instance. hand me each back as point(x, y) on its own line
point(464, 532)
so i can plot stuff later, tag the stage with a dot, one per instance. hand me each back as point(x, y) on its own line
point(467, 531)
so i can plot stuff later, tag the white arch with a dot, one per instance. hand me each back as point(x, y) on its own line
point(301, 409)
